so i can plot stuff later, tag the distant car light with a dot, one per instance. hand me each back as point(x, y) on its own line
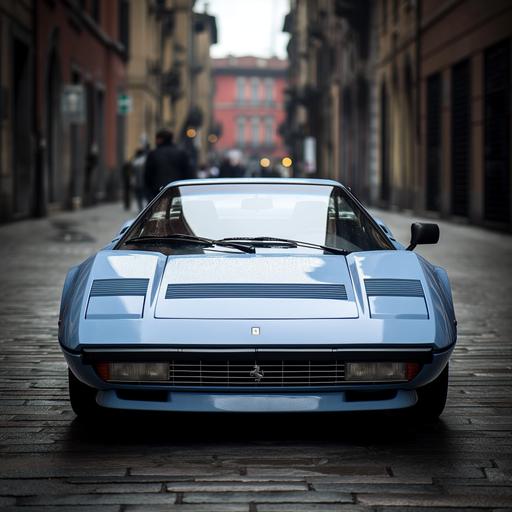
point(382, 371)
point(133, 372)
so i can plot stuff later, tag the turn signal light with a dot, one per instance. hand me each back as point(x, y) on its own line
point(133, 372)
point(381, 371)
point(412, 370)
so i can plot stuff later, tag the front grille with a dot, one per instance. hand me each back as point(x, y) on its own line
point(256, 373)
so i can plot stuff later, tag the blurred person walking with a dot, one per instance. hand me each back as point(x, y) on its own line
point(166, 163)
point(138, 166)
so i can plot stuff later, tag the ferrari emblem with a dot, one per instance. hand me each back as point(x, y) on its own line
point(257, 373)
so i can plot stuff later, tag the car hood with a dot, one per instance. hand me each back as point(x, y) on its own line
point(120, 297)
point(261, 286)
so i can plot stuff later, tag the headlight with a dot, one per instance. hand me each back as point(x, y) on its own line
point(133, 372)
point(383, 371)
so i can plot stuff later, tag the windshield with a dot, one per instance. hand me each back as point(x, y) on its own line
point(316, 214)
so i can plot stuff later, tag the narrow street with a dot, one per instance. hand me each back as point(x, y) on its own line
point(254, 464)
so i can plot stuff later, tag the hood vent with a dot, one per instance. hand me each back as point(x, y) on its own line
point(256, 291)
point(393, 288)
point(119, 287)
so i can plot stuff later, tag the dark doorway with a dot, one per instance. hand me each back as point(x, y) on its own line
point(461, 137)
point(100, 140)
point(434, 98)
point(497, 133)
point(360, 167)
point(53, 133)
point(385, 184)
point(347, 140)
point(21, 128)
point(408, 141)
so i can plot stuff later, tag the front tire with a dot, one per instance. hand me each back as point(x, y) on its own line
point(82, 398)
point(432, 398)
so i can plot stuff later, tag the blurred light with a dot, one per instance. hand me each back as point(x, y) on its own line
point(191, 133)
point(265, 162)
point(287, 161)
point(212, 138)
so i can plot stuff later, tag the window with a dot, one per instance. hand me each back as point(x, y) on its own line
point(240, 132)
point(255, 123)
point(124, 23)
point(269, 90)
point(255, 89)
point(240, 89)
point(269, 131)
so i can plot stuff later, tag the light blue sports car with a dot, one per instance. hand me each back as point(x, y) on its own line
point(254, 295)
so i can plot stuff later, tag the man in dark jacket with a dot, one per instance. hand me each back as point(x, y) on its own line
point(164, 164)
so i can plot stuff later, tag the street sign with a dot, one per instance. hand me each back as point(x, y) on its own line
point(73, 103)
point(124, 104)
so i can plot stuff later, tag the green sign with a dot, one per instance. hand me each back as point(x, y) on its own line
point(124, 104)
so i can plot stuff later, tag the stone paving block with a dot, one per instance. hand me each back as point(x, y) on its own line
point(453, 500)
point(54, 486)
point(377, 488)
point(269, 497)
point(100, 499)
point(225, 487)
point(309, 507)
point(196, 507)
point(67, 508)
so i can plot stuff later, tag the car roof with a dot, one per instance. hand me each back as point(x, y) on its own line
point(255, 181)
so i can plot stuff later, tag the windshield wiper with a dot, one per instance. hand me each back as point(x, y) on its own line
point(290, 243)
point(178, 237)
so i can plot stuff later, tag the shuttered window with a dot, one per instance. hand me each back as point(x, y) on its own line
point(461, 137)
point(497, 133)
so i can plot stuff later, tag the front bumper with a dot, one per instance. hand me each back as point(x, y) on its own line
point(345, 397)
point(260, 403)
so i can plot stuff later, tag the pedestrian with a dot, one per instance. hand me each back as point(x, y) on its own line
point(138, 165)
point(166, 163)
point(126, 179)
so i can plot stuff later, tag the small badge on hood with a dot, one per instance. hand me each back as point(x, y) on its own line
point(255, 331)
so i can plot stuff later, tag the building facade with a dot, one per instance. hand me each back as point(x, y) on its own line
point(18, 186)
point(249, 106)
point(444, 74)
point(330, 100)
point(418, 95)
point(186, 76)
point(143, 75)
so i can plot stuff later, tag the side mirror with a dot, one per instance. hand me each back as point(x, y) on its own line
point(423, 233)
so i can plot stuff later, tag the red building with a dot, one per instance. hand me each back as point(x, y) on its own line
point(249, 105)
point(80, 58)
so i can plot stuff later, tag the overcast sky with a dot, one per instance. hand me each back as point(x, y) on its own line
point(248, 27)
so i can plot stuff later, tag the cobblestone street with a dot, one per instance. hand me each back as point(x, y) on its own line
point(48, 461)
